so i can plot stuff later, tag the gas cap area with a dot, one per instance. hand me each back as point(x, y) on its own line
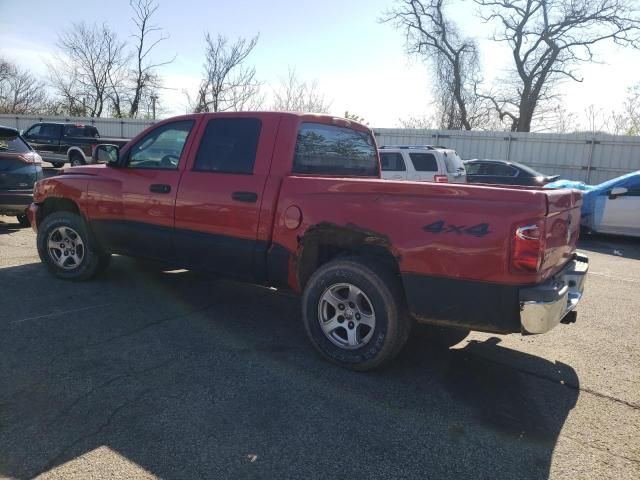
point(292, 217)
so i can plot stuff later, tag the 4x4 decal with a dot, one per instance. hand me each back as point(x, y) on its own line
point(479, 230)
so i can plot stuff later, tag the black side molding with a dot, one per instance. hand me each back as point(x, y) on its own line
point(248, 197)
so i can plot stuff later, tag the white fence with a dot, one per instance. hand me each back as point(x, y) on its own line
point(108, 127)
point(581, 156)
point(591, 158)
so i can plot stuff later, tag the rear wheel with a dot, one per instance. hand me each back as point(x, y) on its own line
point(68, 249)
point(355, 314)
point(77, 159)
point(23, 220)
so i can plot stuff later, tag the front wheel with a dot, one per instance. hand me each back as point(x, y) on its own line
point(355, 314)
point(68, 249)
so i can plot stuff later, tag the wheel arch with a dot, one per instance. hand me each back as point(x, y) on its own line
point(324, 242)
point(56, 204)
point(76, 150)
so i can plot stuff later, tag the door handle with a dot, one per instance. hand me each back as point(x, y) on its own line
point(160, 188)
point(248, 197)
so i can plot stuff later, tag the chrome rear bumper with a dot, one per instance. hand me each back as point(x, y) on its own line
point(544, 306)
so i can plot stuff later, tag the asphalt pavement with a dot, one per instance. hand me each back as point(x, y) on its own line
point(146, 374)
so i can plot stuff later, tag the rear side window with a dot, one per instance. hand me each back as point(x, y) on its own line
point(11, 142)
point(80, 131)
point(332, 150)
point(424, 162)
point(500, 170)
point(393, 162)
point(229, 145)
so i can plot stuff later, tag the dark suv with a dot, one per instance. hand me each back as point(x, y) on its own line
point(20, 168)
point(60, 143)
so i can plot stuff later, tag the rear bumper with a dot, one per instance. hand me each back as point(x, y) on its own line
point(15, 202)
point(544, 306)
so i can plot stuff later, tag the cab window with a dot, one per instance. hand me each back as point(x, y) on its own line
point(161, 148)
point(229, 145)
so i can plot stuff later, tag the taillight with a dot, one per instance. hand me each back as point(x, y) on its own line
point(441, 179)
point(31, 157)
point(527, 250)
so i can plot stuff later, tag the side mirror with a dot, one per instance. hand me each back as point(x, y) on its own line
point(105, 153)
point(617, 191)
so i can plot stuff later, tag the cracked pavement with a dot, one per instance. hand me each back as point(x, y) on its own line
point(143, 374)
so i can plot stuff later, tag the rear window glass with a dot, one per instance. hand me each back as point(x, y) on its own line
point(424, 162)
point(453, 162)
point(332, 150)
point(229, 145)
point(392, 161)
point(12, 143)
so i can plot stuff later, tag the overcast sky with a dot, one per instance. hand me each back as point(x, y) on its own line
point(358, 62)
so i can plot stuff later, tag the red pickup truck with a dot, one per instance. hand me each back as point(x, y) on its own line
point(296, 201)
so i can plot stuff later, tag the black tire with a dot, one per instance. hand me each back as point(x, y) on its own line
point(76, 159)
point(57, 164)
point(93, 260)
point(444, 337)
point(23, 220)
point(385, 294)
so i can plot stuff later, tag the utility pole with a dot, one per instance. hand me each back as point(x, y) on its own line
point(153, 97)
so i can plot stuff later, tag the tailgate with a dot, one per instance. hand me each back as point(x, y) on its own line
point(562, 228)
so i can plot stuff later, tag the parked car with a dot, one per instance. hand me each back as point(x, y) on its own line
point(504, 172)
point(20, 168)
point(610, 207)
point(421, 163)
point(60, 143)
point(295, 201)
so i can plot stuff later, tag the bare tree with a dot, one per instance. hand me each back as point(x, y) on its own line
point(146, 80)
point(91, 56)
point(228, 84)
point(595, 120)
point(20, 91)
point(549, 39)
point(295, 95)
point(454, 58)
point(421, 122)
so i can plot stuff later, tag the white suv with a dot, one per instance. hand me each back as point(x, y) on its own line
point(422, 163)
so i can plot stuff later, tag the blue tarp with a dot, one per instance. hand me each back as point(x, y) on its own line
point(591, 209)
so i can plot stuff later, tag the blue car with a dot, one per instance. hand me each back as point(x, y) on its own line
point(610, 207)
point(20, 168)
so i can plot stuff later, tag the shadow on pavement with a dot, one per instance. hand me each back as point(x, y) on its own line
point(9, 225)
point(625, 247)
point(197, 377)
